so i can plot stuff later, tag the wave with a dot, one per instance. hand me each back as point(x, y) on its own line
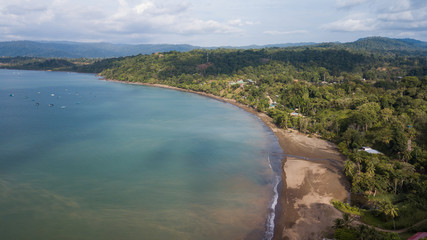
point(269, 232)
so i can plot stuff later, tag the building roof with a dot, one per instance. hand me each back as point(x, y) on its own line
point(295, 114)
point(418, 235)
point(370, 150)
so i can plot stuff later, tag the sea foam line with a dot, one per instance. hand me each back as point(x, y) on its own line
point(269, 232)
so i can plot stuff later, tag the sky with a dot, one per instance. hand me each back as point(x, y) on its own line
point(211, 23)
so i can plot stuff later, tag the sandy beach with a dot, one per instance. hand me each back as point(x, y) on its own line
point(309, 186)
point(312, 176)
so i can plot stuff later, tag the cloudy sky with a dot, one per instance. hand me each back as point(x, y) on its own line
point(213, 22)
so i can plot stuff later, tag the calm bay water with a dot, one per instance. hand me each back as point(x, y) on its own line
point(82, 158)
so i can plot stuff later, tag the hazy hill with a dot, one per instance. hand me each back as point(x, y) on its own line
point(382, 44)
point(109, 50)
point(279, 45)
point(83, 50)
point(104, 50)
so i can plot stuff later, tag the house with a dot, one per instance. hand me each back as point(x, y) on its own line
point(370, 150)
point(295, 114)
point(239, 82)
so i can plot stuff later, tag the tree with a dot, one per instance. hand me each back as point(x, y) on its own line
point(349, 168)
point(367, 233)
point(357, 158)
point(352, 138)
point(389, 210)
point(366, 115)
point(410, 82)
point(399, 141)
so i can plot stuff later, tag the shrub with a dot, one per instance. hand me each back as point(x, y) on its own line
point(345, 207)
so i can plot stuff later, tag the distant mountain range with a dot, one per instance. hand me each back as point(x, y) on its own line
point(83, 50)
point(108, 50)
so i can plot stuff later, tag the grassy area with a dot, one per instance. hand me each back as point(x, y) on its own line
point(408, 214)
point(369, 218)
point(389, 197)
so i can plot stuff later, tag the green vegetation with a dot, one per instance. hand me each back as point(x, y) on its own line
point(346, 208)
point(369, 93)
point(344, 230)
point(83, 65)
point(48, 49)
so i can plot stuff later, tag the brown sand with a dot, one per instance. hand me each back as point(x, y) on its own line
point(310, 182)
point(312, 177)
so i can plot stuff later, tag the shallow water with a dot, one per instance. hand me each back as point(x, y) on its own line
point(82, 158)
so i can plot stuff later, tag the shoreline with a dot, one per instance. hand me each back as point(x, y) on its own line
point(304, 210)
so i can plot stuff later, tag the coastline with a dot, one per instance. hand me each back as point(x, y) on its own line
point(304, 210)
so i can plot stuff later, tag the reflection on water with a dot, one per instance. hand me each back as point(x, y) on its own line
point(127, 162)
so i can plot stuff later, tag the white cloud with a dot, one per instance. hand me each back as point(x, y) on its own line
point(275, 33)
point(391, 17)
point(217, 22)
point(22, 10)
point(399, 16)
point(351, 25)
point(403, 16)
point(398, 5)
point(199, 26)
point(148, 16)
point(251, 23)
point(241, 23)
point(96, 20)
point(406, 34)
point(236, 22)
point(349, 3)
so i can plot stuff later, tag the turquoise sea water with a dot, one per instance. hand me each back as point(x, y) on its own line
point(82, 158)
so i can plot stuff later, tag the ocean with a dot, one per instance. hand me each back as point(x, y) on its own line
point(83, 158)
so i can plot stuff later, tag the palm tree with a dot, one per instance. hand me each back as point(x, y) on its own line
point(358, 159)
point(389, 210)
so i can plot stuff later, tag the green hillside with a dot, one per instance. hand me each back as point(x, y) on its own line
point(390, 45)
